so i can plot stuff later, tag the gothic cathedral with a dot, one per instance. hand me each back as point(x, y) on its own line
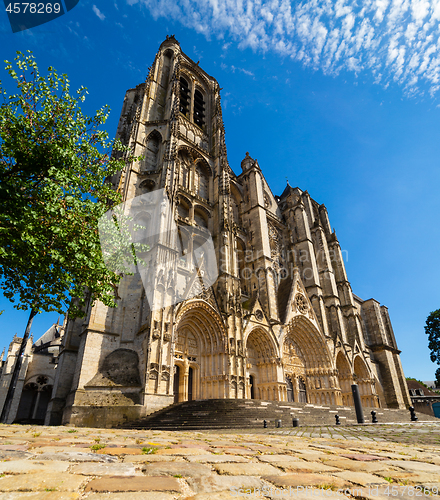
point(280, 322)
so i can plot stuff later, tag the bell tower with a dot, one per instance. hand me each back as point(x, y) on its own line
point(173, 122)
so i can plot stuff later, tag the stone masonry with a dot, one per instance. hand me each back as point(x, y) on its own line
point(280, 323)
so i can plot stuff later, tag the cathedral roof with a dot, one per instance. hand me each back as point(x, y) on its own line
point(51, 334)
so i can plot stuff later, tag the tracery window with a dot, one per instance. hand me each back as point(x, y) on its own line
point(192, 102)
point(185, 176)
point(152, 152)
point(201, 182)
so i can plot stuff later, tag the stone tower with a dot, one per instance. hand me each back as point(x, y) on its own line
point(279, 323)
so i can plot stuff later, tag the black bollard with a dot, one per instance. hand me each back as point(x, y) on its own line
point(413, 414)
point(265, 424)
point(337, 420)
point(357, 404)
point(295, 422)
point(278, 422)
point(373, 417)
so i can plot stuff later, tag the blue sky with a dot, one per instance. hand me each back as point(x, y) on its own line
point(340, 97)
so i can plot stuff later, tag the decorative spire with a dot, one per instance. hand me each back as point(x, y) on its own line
point(247, 162)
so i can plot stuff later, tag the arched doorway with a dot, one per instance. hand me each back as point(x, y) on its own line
point(289, 387)
point(294, 366)
point(199, 351)
point(251, 386)
point(365, 383)
point(187, 352)
point(302, 391)
point(34, 400)
point(260, 361)
point(308, 362)
point(345, 379)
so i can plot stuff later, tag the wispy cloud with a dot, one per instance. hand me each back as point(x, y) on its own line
point(393, 40)
point(98, 13)
point(242, 70)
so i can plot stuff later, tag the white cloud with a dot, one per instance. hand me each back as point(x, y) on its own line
point(394, 40)
point(98, 13)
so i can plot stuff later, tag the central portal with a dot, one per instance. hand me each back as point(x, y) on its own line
point(187, 355)
point(261, 366)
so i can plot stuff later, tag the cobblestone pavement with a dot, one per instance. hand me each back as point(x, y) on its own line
point(358, 462)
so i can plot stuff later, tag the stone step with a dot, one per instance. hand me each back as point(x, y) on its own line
point(236, 414)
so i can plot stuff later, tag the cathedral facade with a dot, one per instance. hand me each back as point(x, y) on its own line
point(280, 322)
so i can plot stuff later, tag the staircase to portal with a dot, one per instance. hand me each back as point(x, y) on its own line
point(250, 414)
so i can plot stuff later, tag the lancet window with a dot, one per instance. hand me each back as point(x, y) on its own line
point(184, 96)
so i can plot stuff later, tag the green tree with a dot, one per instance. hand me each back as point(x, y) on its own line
point(54, 162)
point(432, 329)
point(437, 378)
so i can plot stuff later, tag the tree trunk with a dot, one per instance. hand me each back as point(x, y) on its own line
point(17, 368)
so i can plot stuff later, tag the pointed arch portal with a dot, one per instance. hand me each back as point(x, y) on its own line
point(261, 366)
point(308, 364)
point(365, 383)
point(345, 379)
point(199, 353)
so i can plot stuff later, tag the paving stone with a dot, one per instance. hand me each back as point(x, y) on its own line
point(59, 449)
point(133, 495)
point(25, 466)
point(356, 466)
point(362, 478)
point(298, 480)
point(76, 457)
point(235, 450)
point(278, 458)
point(266, 449)
point(411, 465)
point(249, 469)
point(222, 495)
point(14, 455)
point(40, 495)
point(120, 451)
point(176, 468)
point(311, 455)
point(153, 458)
point(304, 493)
point(391, 490)
point(100, 469)
point(217, 459)
point(14, 447)
point(415, 466)
point(215, 482)
point(391, 455)
point(409, 477)
point(37, 482)
point(181, 451)
point(137, 483)
point(363, 458)
point(303, 466)
point(38, 443)
point(191, 445)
